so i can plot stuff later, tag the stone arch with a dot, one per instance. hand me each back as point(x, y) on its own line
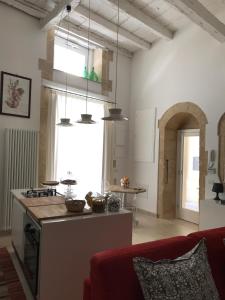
point(185, 115)
point(221, 147)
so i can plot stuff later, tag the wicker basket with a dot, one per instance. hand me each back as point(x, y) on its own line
point(75, 205)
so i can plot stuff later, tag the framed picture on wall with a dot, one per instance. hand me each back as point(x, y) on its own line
point(15, 95)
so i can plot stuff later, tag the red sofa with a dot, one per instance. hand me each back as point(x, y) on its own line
point(112, 276)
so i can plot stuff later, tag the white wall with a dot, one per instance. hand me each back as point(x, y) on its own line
point(22, 44)
point(191, 67)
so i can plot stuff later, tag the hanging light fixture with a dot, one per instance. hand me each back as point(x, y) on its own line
point(65, 122)
point(87, 118)
point(115, 114)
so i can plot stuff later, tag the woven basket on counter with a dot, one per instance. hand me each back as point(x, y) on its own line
point(75, 205)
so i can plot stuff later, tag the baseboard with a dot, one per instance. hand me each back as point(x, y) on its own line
point(146, 212)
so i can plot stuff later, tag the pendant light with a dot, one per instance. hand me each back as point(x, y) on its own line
point(65, 122)
point(115, 114)
point(87, 118)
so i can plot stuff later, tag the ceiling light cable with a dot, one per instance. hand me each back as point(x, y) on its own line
point(115, 114)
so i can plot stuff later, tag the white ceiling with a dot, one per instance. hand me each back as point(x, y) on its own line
point(160, 11)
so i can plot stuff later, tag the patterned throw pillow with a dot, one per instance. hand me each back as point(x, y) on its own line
point(185, 278)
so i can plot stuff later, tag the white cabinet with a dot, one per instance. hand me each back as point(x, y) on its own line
point(67, 246)
point(17, 228)
point(212, 214)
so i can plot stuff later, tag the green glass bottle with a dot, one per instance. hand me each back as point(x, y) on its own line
point(85, 73)
point(92, 74)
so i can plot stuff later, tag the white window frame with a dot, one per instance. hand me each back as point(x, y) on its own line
point(60, 41)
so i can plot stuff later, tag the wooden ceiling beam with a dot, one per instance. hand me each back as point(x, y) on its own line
point(137, 41)
point(102, 41)
point(199, 14)
point(58, 13)
point(156, 27)
point(28, 9)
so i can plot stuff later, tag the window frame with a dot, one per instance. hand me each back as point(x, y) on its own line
point(62, 42)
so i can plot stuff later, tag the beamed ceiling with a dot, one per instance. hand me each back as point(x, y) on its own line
point(142, 22)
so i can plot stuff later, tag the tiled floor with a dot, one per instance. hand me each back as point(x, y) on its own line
point(149, 228)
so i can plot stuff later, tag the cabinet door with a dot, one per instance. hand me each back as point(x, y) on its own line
point(17, 228)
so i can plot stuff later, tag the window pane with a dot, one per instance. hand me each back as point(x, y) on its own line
point(79, 149)
point(69, 61)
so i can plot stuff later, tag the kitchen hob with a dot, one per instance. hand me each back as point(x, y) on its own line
point(37, 193)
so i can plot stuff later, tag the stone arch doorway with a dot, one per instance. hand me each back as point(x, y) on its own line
point(186, 115)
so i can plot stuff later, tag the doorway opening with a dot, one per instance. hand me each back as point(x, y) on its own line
point(182, 116)
point(188, 175)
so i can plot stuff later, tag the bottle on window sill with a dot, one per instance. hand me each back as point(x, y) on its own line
point(93, 76)
point(85, 73)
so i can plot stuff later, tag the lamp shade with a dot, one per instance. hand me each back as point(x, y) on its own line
point(115, 114)
point(86, 119)
point(65, 122)
point(217, 187)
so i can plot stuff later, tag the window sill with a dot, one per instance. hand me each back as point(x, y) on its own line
point(77, 82)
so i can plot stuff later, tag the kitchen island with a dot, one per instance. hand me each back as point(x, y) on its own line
point(55, 252)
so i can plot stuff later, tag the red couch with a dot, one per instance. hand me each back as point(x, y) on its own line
point(112, 276)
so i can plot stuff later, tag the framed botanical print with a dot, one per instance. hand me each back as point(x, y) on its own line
point(15, 95)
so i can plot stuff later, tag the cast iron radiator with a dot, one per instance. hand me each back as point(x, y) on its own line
point(18, 168)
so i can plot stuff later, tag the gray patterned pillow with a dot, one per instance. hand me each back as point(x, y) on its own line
point(185, 278)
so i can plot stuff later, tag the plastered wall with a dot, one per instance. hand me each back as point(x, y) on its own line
point(191, 67)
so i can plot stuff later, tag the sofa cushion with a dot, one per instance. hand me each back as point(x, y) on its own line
point(187, 277)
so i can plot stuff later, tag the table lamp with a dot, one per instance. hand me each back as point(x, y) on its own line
point(217, 188)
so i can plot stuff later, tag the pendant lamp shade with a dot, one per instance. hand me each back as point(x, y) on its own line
point(115, 114)
point(86, 119)
point(65, 122)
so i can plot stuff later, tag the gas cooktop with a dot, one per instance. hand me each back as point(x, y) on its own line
point(37, 193)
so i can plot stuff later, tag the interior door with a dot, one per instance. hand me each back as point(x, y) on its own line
point(188, 175)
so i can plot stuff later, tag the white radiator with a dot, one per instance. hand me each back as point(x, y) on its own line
point(19, 167)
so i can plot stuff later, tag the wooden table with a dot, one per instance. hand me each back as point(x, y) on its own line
point(124, 191)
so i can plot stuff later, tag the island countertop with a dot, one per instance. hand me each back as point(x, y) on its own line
point(53, 209)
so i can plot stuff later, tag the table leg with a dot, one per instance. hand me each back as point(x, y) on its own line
point(135, 221)
point(123, 199)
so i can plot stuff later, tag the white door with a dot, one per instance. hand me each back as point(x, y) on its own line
point(188, 175)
